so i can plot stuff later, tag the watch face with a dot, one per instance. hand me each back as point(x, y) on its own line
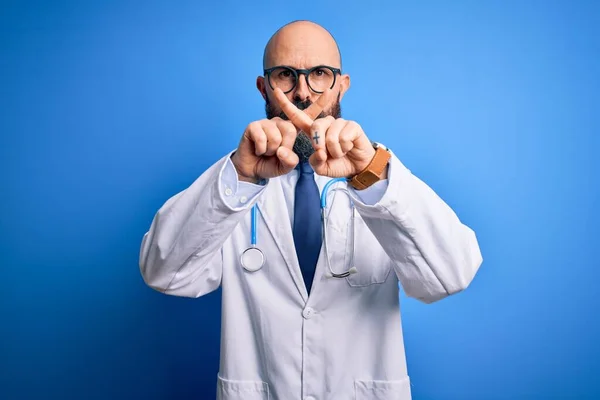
point(378, 145)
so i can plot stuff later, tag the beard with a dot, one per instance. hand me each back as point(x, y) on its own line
point(303, 146)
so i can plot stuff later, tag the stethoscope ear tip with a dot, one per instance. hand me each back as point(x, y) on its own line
point(353, 270)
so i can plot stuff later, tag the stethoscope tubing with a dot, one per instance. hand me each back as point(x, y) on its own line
point(253, 226)
point(323, 205)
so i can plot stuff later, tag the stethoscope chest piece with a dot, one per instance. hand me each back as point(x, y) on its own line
point(252, 259)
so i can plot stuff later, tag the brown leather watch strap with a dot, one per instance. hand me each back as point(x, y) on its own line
point(372, 173)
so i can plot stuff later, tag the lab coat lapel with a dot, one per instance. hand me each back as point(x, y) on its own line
point(272, 208)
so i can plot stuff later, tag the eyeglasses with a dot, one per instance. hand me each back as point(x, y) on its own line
point(318, 78)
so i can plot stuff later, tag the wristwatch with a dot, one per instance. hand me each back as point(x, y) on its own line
point(372, 173)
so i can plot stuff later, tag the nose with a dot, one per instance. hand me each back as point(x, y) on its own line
point(301, 91)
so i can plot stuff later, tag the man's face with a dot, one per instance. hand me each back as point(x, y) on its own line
point(303, 46)
point(303, 146)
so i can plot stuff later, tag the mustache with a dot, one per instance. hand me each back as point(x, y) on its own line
point(300, 104)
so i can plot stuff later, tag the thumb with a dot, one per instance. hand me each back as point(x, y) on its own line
point(287, 157)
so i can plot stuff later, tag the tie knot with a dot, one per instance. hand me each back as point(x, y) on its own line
point(305, 168)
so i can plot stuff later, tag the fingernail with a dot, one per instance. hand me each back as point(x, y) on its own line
point(283, 152)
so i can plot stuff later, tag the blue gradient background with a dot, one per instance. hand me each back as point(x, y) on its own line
point(109, 108)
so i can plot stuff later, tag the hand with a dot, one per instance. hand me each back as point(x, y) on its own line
point(265, 150)
point(342, 149)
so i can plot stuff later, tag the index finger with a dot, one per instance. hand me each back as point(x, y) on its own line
point(295, 115)
point(315, 108)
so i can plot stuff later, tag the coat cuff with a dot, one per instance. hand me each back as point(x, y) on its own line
point(394, 194)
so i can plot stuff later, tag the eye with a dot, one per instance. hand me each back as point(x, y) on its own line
point(285, 74)
point(321, 73)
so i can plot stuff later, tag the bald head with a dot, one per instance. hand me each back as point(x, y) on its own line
point(302, 44)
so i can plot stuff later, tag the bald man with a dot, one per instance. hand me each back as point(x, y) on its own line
point(308, 227)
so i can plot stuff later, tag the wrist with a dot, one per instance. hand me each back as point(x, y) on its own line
point(368, 159)
point(375, 170)
point(384, 174)
point(242, 177)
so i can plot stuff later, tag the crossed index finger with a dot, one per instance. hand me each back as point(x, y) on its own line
point(315, 108)
point(302, 119)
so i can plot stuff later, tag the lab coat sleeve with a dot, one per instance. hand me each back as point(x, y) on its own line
point(433, 253)
point(241, 192)
point(373, 193)
point(181, 254)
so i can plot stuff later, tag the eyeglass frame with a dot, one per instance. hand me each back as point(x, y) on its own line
point(304, 72)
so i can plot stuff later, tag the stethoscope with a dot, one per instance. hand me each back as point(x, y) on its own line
point(253, 259)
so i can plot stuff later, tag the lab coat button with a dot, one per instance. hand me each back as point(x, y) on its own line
point(228, 192)
point(307, 313)
point(243, 199)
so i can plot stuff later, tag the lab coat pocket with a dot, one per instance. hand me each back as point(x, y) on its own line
point(372, 263)
point(242, 390)
point(382, 390)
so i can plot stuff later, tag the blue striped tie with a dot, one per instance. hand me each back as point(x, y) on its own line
point(307, 223)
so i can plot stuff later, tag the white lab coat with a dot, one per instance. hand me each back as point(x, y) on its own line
point(344, 341)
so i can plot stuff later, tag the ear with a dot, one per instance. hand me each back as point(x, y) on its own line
point(344, 84)
point(260, 85)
